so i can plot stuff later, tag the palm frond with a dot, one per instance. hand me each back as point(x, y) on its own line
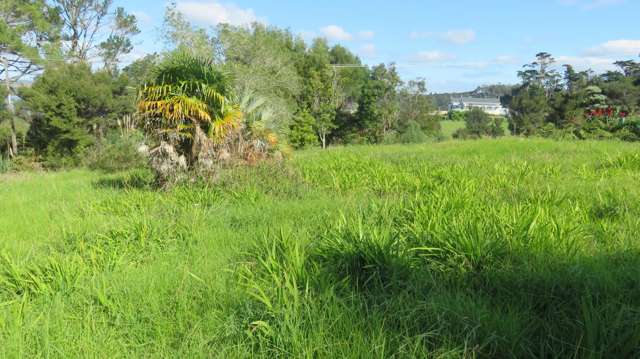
point(188, 94)
point(176, 109)
point(229, 121)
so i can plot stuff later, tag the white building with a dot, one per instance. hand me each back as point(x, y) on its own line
point(491, 106)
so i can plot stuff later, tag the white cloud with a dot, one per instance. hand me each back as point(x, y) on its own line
point(470, 65)
point(597, 64)
point(616, 48)
point(601, 58)
point(366, 35)
point(212, 12)
point(432, 57)
point(459, 37)
point(335, 32)
point(484, 64)
point(368, 50)
point(590, 4)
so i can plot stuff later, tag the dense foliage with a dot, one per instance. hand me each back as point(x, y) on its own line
point(71, 107)
point(576, 104)
point(285, 90)
point(479, 124)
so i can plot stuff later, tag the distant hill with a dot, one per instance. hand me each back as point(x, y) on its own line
point(442, 100)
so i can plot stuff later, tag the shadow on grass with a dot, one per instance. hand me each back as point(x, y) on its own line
point(138, 179)
point(522, 305)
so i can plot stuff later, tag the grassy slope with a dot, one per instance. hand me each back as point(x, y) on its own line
point(494, 247)
point(448, 128)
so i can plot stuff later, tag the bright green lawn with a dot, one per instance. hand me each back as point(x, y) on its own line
point(448, 128)
point(491, 248)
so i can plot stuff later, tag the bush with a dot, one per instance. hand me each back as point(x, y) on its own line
point(301, 132)
point(457, 116)
point(5, 165)
point(116, 153)
point(413, 133)
point(478, 122)
point(495, 127)
point(25, 163)
point(465, 134)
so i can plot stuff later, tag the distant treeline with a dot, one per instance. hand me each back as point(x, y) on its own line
point(575, 104)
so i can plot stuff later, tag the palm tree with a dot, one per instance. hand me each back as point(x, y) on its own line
point(187, 103)
point(260, 129)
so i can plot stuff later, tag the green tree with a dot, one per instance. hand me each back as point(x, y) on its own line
point(566, 107)
point(528, 109)
point(349, 75)
point(141, 71)
point(495, 127)
point(456, 116)
point(28, 30)
point(262, 62)
point(416, 106)
point(541, 73)
point(319, 95)
point(622, 89)
point(478, 123)
point(92, 27)
point(118, 42)
point(71, 106)
point(412, 133)
point(529, 104)
point(379, 108)
point(302, 133)
point(178, 33)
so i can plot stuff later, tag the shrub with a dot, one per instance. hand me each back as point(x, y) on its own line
point(478, 122)
point(25, 163)
point(5, 165)
point(413, 133)
point(495, 127)
point(301, 132)
point(464, 134)
point(116, 153)
point(457, 116)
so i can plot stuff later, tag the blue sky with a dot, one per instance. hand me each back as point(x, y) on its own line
point(455, 45)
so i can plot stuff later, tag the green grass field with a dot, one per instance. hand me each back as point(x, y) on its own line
point(448, 128)
point(491, 248)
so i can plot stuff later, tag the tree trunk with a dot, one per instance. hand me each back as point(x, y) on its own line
point(9, 150)
point(7, 83)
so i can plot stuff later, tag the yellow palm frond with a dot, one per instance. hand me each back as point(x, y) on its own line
point(185, 101)
point(229, 120)
point(176, 109)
